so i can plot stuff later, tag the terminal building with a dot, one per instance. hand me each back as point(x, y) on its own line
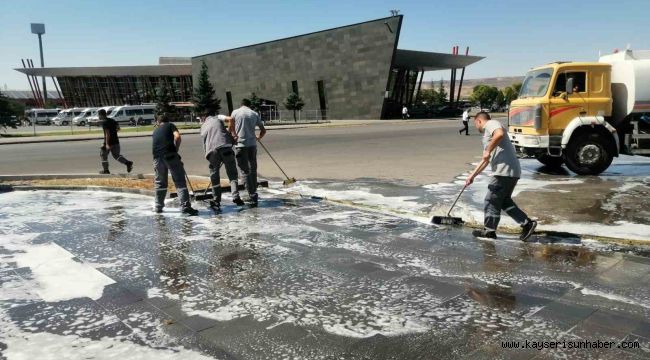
point(350, 72)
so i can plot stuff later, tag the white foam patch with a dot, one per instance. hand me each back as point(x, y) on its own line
point(58, 275)
point(362, 195)
point(613, 297)
point(621, 229)
point(45, 346)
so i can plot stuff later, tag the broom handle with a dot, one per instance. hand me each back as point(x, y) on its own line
point(189, 183)
point(271, 156)
point(455, 201)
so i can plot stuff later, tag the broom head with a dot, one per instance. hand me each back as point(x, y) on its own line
point(447, 220)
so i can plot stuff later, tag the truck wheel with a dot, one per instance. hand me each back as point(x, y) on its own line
point(587, 154)
point(551, 161)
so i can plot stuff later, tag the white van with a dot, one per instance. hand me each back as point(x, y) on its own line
point(41, 116)
point(134, 114)
point(65, 116)
point(81, 119)
point(93, 119)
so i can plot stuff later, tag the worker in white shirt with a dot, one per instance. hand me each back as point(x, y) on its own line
point(465, 122)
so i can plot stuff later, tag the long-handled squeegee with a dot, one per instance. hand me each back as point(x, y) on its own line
point(449, 220)
point(288, 180)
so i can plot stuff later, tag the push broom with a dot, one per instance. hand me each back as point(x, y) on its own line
point(449, 220)
point(288, 180)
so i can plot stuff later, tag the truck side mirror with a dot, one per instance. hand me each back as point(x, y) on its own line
point(569, 86)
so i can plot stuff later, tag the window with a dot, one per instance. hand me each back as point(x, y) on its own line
point(536, 83)
point(133, 112)
point(321, 97)
point(148, 111)
point(579, 81)
point(294, 87)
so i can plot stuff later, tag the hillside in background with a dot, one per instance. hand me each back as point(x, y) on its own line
point(468, 84)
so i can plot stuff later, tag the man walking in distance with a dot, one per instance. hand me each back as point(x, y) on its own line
point(218, 146)
point(500, 154)
point(111, 143)
point(246, 149)
point(405, 113)
point(166, 141)
point(465, 122)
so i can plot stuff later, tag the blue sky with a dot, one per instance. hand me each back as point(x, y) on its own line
point(512, 35)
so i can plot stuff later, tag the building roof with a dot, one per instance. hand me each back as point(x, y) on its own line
point(27, 94)
point(429, 61)
point(297, 36)
point(143, 70)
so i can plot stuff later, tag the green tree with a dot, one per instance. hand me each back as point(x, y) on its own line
point(9, 109)
point(256, 102)
point(500, 99)
point(428, 96)
point(441, 94)
point(509, 94)
point(163, 99)
point(294, 102)
point(484, 95)
point(516, 87)
point(204, 95)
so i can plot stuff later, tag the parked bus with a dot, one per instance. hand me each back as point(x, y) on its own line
point(134, 114)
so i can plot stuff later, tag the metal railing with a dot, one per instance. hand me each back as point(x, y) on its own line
point(300, 116)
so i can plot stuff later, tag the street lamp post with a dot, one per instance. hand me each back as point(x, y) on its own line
point(39, 29)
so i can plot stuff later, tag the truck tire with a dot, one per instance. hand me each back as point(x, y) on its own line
point(551, 161)
point(587, 154)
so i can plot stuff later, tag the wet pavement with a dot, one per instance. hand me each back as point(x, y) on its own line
point(97, 275)
point(613, 205)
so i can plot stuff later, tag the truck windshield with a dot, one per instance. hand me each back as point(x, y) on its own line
point(536, 83)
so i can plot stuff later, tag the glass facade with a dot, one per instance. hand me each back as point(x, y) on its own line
point(96, 91)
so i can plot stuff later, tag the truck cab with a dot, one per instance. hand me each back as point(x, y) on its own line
point(583, 114)
point(561, 116)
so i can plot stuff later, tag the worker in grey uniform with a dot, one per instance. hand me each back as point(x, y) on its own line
point(499, 152)
point(166, 141)
point(111, 143)
point(218, 146)
point(246, 120)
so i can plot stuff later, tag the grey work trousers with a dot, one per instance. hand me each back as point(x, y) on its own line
point(115, 151)
point(247, 162)
point(223, 156)
point(162, 166)
point(499, 197)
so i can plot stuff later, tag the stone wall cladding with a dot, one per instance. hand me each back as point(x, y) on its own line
point(353, 61)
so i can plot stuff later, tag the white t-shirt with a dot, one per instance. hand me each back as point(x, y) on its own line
point(405, 110)
point(465, 115)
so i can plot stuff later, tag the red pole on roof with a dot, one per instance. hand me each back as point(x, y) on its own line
point(38, 88)
point(31, 86)
point(65, 104)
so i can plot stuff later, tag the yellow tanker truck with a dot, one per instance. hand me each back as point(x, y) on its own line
point(583, 114)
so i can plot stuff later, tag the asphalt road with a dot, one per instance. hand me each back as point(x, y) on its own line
point(414, 152)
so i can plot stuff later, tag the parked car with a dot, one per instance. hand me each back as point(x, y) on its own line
point(41, 116)
point(64, 117)
point(448, 111)
point(81, 119)
point(93, 119)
